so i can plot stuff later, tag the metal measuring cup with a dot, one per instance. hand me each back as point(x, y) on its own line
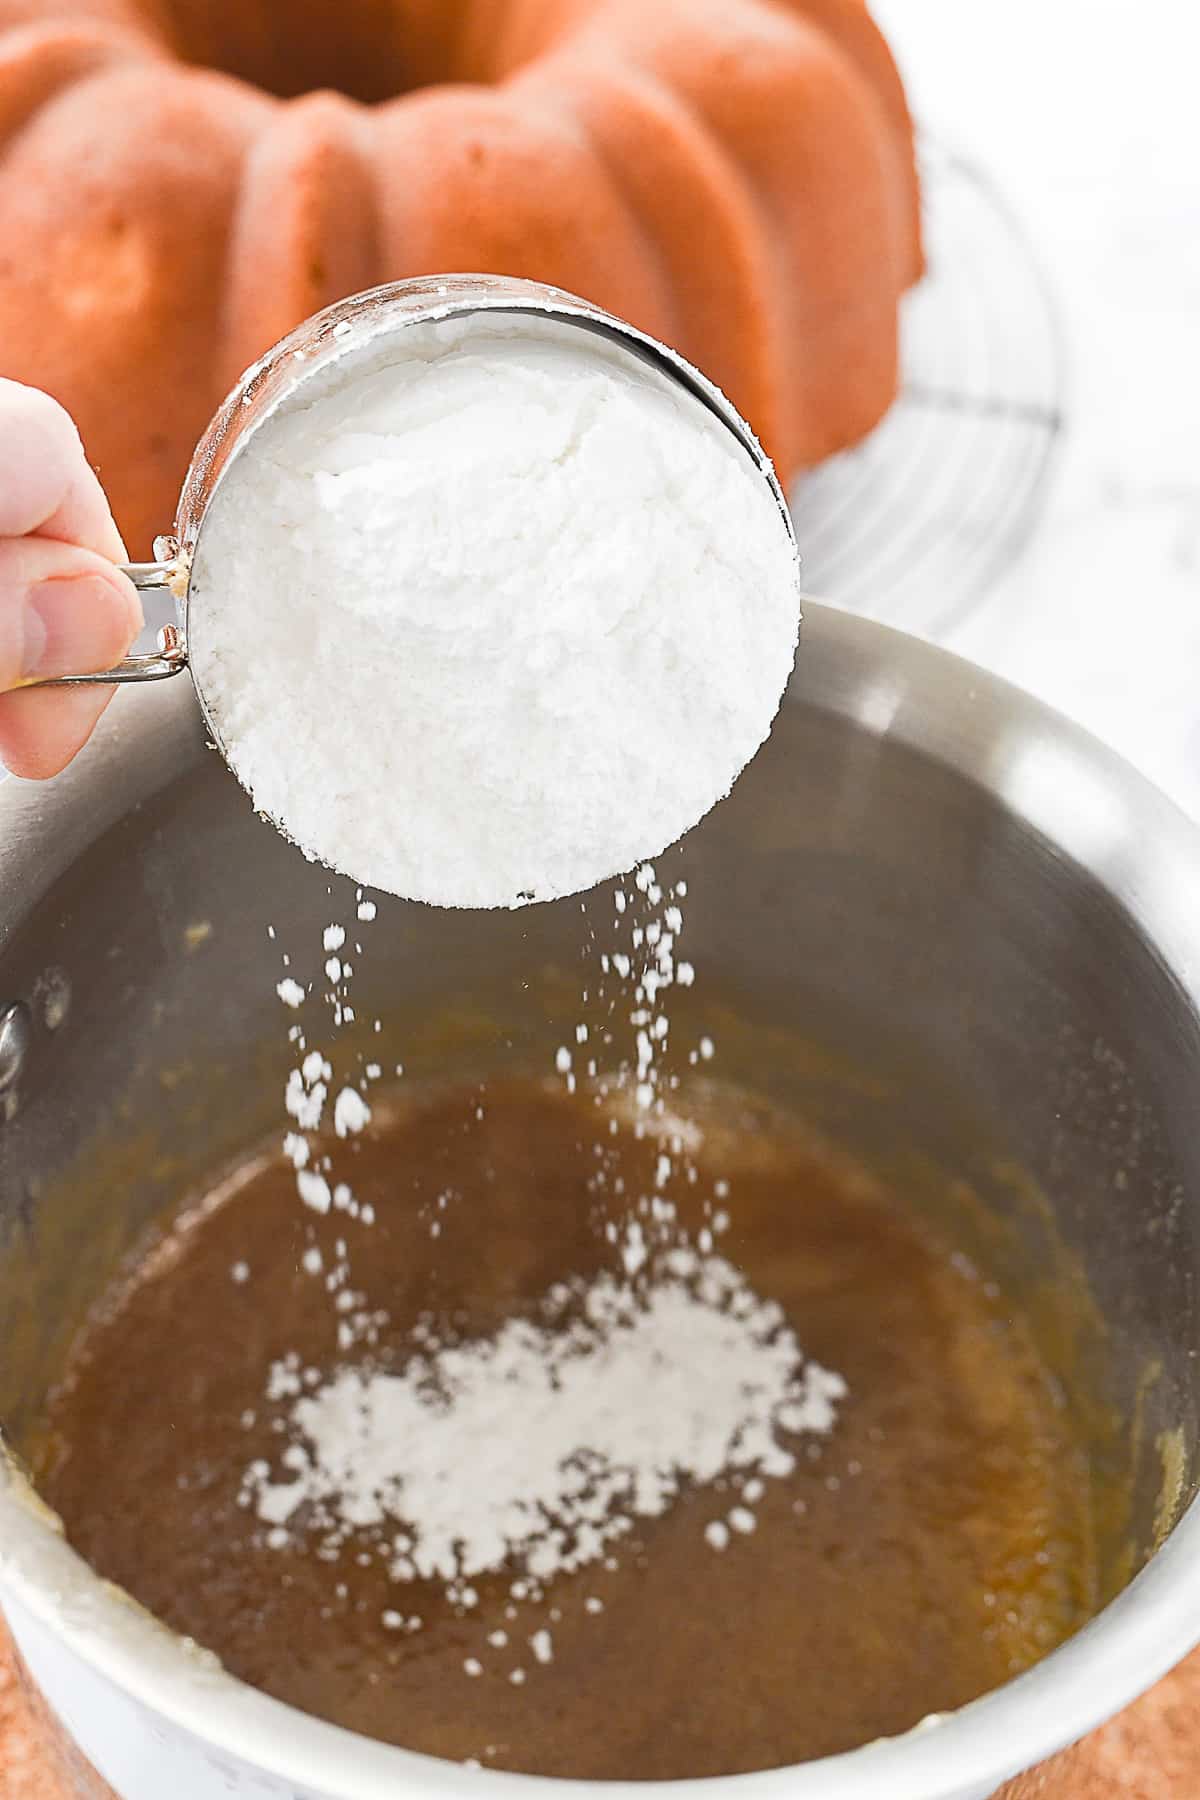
point(347, 329)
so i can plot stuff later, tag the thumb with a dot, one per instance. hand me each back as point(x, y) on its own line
point(63, 611)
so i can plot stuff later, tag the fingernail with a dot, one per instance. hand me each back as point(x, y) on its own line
point(77, 624)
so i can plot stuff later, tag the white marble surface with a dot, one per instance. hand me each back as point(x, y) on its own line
point(1086, 112)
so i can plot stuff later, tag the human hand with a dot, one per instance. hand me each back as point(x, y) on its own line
point(64, 607)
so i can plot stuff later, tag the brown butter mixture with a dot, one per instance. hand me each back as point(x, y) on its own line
point(937, 1542)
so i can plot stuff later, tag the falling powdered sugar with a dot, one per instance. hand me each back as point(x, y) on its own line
point(546, 1443)
point(537, 1450)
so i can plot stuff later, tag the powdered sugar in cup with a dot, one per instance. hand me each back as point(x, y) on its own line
point(488, 597)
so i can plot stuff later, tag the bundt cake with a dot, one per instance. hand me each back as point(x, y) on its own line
point(181, 181)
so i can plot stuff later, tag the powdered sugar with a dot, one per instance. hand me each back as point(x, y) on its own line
point(539, 1449)
point(543, 1445)
point(493, 616)
point(350, 1112)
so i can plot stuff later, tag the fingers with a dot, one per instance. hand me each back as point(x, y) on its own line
point(63, 610)
point(40, 730)
point(48, 486)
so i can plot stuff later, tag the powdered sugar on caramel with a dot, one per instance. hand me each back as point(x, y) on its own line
point(537, 1450)
point(542, 1446)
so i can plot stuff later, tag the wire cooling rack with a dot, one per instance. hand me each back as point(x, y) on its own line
point(914, 524)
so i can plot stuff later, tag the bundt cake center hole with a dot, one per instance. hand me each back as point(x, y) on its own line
point(369, 50)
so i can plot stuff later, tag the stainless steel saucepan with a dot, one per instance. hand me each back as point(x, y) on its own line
point(933, 878)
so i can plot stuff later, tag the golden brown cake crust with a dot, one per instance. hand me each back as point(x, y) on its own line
point(181, 182)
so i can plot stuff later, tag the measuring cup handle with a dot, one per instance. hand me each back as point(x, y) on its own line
point(155, 665)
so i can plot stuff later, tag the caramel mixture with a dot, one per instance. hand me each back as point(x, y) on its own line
point(937, 1542)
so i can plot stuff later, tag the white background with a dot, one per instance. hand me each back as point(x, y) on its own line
point(1087, 113)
